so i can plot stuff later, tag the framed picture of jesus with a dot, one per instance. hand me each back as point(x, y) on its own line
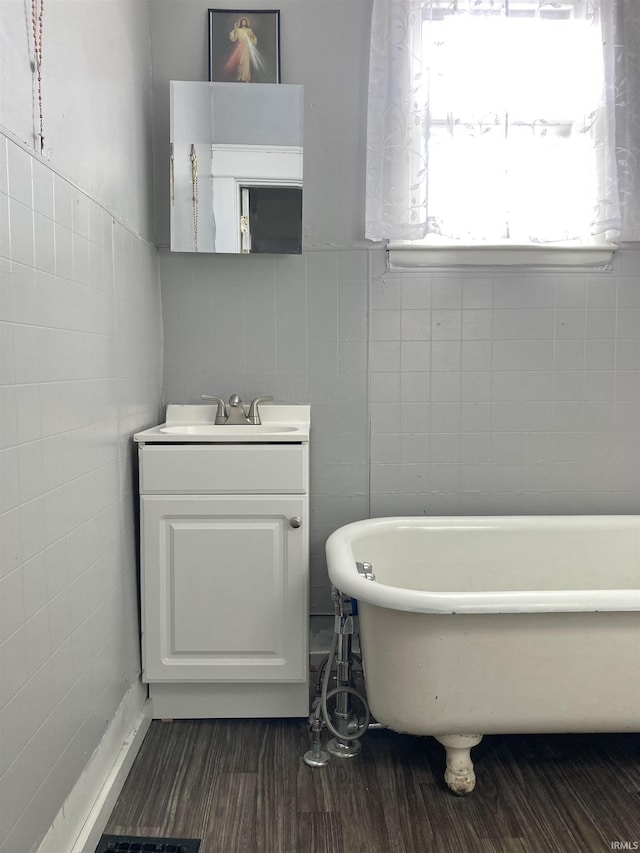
point(244, 46)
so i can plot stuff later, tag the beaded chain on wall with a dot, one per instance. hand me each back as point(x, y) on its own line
point(194, 195)
point(171, 173)
point(37, 13)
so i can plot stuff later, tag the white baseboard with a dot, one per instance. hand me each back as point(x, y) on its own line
point(84, 815)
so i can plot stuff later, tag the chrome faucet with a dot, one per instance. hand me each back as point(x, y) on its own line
point(234, 412)
point(221, 414)
point(254, 415)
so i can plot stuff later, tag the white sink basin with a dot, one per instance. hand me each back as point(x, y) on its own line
point(225, 430)
point(195, 424)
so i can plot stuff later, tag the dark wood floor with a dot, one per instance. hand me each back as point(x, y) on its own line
point(241, 786)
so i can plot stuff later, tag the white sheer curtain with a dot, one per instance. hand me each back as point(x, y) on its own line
point(504, 121)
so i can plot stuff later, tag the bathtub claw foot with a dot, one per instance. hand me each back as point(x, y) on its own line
point(459, 774)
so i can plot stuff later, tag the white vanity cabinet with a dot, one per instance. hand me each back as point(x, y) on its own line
point(224, 558)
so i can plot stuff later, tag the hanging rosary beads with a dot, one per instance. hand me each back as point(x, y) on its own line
point(194, 195)
point(37, 12)
point(172, 173)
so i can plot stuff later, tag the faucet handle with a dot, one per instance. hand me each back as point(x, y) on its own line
point(221, 414)
point(254, 415)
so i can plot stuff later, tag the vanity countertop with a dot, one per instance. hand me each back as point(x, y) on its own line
point(195, 424)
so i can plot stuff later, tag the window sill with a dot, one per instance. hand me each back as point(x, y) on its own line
point(409, 256)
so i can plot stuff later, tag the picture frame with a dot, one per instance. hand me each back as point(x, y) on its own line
point(244, 46)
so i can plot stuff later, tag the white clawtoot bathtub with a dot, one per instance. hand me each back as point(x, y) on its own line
point(472, 626)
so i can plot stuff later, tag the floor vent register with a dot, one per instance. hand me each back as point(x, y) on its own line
point(143, 844)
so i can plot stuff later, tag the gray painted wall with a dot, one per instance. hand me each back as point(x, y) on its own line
point(472, 392)
point(96, 75)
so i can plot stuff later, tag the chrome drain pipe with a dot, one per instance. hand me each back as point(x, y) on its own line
point(342, 723)
point(345, 723)
point(316, 756)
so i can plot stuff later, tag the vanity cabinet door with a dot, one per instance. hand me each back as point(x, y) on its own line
point(225, 586)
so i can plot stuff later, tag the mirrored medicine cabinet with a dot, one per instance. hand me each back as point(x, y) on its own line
point(236, 167)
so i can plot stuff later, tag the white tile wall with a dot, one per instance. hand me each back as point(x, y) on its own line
point(80, 371)
point(532, 400)
point(474, 392)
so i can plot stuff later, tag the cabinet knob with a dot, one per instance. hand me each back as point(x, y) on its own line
point(296, 521)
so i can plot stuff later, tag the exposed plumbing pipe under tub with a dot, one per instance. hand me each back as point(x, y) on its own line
point(343, 724)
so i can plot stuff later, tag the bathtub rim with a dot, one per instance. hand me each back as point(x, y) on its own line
point(345, 577)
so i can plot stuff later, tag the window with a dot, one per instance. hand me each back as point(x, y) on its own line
point(491, 124)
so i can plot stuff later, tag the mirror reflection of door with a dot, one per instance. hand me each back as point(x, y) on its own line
point(225, 137)
point(271, 220)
